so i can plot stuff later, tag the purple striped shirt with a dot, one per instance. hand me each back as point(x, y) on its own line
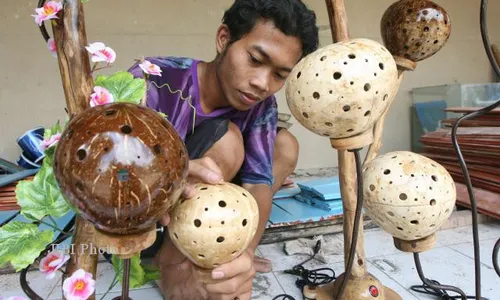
point(176, 94)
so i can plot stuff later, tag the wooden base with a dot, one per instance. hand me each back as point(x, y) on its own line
point(354, 142)
point(124, 246)
point(416, 246)
point(357, 289)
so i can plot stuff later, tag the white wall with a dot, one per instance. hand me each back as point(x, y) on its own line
point(30, 85)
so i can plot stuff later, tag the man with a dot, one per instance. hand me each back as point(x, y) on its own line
point(226, 112)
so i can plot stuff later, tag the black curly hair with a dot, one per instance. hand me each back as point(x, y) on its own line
point(292, 17)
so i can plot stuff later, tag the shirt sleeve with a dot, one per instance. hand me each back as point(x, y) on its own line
point(257, 166)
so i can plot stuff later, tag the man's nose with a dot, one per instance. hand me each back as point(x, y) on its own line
point(260, 81)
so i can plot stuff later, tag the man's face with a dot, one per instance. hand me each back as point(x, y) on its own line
point(256, 66)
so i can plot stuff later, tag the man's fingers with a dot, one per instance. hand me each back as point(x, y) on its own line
point(205, 170)
point(232, 289)
point(165, 220)
point(242, 264)
point(189, 191)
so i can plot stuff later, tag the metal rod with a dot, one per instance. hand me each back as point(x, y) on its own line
point(126, 276)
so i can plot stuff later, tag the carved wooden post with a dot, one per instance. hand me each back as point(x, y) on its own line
point(74, 65)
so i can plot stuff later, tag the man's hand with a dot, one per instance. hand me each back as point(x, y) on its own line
point(234, 280)
point(200, 170)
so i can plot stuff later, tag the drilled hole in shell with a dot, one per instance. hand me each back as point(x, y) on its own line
point(110, 112)
point(244, 223)
point(197, 222)
point(126, 129)
point(414, 222)
point(434, 178)
point(337, 75)
point(432, 202)
point(81, 154)
point(367, 113)
point(346, 108)
point(298, 75)
point(367, 87)
point(220, 239)
point(399, 228)
point(381, 66)
point(387, 172)
point(203, 189)
point(316, 95)
point(426, 29)
point(390, 213)
point(222, 203)
point(323, 58)
point(372, 187)
point(352, 56)
point(329, 124)
point(305, 115)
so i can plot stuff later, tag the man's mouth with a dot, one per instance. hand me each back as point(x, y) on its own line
point(249, 99)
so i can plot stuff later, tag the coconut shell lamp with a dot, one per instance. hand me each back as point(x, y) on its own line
point(340, 90)
point(122, 167)
point(409, 196)
point(415, 30)
point(215, 226)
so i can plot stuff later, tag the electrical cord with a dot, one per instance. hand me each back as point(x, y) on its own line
point(437, 289)
point(357, 219)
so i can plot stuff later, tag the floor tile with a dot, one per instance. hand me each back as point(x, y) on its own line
point(442, 264)
point(10, 284)
point(288, 281)
point(485, 250)
point(464, 234)
point(333, 252)
point(378, 242)
point(266, 287)
point(148, 293)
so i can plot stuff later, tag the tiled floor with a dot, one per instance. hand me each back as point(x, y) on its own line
point(450, 262)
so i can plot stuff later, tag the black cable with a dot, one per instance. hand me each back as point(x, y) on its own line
point(43, 29)
point(10, 218)
point(495, 257)
point(434, 285)
point(357, 219)
point(66, 232)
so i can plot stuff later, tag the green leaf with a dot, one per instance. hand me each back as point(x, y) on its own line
point(123, 86)
point(42, 196)
point(51, 131)
point(151, 273)
point(21, 243)
point(139, 274)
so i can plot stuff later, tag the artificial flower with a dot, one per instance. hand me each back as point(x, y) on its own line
point(100, 53)
point(100, 96)
point(79, 285)
point(53, 262)
point(47, 12)
point(150, 68)
point(51, 45)
point(51, 141)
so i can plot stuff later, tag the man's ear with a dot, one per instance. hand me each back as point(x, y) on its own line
point(222, 39)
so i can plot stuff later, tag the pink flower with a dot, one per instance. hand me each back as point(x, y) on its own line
point(150, 68)
point(47, 12)
point(100, 52)
point(51, 44)
point(53, 262)
point(101, 96)
point(79, 286)
point(51, 141)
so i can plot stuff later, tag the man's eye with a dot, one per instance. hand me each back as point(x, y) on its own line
point(281, 77)
point(254, 60)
